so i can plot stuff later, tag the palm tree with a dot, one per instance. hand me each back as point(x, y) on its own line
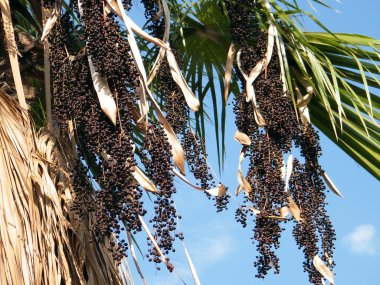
point(115, 111)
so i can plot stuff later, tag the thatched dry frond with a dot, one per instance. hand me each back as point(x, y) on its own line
point(41, 240)
point(12, 50)
point(30, 62)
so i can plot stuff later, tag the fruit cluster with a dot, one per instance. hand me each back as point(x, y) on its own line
point(177, 110)
point(196, 158)
point(156, 159)
point(106, 151)
point(270, 143)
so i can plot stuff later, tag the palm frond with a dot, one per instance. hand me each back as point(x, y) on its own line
point(31, 216)
point(37, 222)
point(351, 64)
point(12, 50)
point(203, 40)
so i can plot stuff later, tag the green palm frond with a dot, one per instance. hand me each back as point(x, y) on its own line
point(353, 62)
point(204, 43)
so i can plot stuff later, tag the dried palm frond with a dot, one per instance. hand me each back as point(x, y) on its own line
point(30, 62)
point(12, 50)
point(41, 240)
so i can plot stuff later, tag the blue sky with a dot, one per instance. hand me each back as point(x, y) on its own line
point(221, 249)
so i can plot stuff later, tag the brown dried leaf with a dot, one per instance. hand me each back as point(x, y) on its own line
point(276, 218)
point(272, 32)
point(192, 267)
point(177, 150)
point(294, 209)
point(303, 111)
point(107, 103)
point(323, 269)
point(255, 72)
point(251, 79)
point(37, 231)
point(156, 66)
point(242, 156)
point(240, 177)
point(238, 61)
point(165, 39)
point(259, 119)
point(166, 11)
point(49, 25)
point(159, 13)
point(255, 211)
point(238, 190)
point(218, 191)
point(143, 180)
point(329, 260)
point(143, 106)
point(191, 100)
point(304, 101)
point(112, 4)
point(242, 138)
point(228, 72)
point(132, 41)
point(284, 212)
point(243, 182)
point(331, 184)
point(305, 115)
point(183, 178)
point(133, 253)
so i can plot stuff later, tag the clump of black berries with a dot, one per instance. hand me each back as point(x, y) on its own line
point(197, 160)
point(106, 151)
point(158, 164)
point(177, 110)
point(270, 143)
